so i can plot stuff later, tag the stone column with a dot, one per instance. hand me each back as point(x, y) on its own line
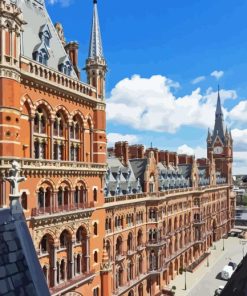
point(31, 137)
point(54, 264)
point(87, 254)
point(69, 156)
point(51, 139)
point(72, 259)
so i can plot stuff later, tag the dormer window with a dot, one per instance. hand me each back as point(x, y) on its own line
point(41, 56)
point(45, 35)
point(65, 68)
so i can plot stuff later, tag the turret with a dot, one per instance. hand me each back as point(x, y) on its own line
point(11, 19)
point(96, 67)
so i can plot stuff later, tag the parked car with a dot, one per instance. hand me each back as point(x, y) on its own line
point(218, 291)
point(226, 272)
point(233, 265)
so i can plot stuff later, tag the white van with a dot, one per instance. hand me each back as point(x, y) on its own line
point(226, 272)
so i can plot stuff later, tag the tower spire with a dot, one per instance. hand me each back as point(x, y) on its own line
point(219, 129)
point(96, 67)
point(95, 47)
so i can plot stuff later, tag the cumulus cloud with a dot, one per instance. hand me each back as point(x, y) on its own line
point(112, 138)
point(239, 139)
point(240, 162)
point(217, 74)
point(198, 151)
point(198, 79)
point(149, 104)
point(239, 112)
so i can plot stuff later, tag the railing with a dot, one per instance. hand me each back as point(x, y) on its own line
point(155, 243)
point(69, 283)
point(140, 247)
point(65, 208)
point(120, 256)
point(46, 164)
point(58, 79)
point(158, 194)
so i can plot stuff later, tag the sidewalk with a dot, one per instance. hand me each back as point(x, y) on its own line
point(192, 279)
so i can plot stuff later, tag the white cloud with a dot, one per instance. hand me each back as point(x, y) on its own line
point(199, 152)
point(198, 79)
point(112, 138)
point(239, 112)
point(239, 140)
point(185, 149)
point(149, 104)
point(240, 163)
point(217, 74)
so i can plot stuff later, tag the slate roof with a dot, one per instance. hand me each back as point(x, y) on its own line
point(36, 16)
point(95, 48)
point(122, 180)
point(219, 128)
point(20, 271)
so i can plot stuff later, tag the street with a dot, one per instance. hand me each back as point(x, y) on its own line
point(205, 280)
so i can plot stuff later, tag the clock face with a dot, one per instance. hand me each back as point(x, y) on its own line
point(218, 150)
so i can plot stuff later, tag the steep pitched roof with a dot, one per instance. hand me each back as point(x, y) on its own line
point(20, 271)
point(38, 19)
point(219, 129)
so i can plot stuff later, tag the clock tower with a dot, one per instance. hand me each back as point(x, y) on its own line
point(219, 144)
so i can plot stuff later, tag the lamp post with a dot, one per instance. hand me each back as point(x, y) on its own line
point(223, 249)
point(185, 283)
point(208, 260)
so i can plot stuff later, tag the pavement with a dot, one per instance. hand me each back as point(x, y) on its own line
point(206, 278)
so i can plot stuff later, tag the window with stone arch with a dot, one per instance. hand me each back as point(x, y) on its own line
point(82, 240)
point(24, 200)
point(81, 194)
point(40, 130)
point(95, 228)
point(95, 256)
point(95, 194)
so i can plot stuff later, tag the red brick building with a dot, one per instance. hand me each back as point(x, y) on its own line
point(119, 229)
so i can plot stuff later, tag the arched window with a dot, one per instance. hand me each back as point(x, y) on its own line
point(95, 228)
point(41, 198)
point(78, 263)
point(44, 245)
point(95, 197)
point(64, 239)
point(24, 200)
point(95, 256)
point(62, 270)
point(41, 55)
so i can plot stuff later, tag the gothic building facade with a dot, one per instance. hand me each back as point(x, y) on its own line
point(117, 225)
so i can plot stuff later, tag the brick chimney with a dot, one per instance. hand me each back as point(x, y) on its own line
point(122, 151)
point(72, 50)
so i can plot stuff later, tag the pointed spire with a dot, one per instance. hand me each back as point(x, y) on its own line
point(219, 129)
point(218, 108)
point(95, 47)
point(209, 135)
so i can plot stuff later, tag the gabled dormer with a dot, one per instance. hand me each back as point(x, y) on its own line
point(65, 66)
point(45, 35)
point(41, 54)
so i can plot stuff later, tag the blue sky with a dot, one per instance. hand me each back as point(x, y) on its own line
point(165, 60)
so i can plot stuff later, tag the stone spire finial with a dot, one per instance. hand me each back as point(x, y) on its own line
point(95, 47)
point(14, 179)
